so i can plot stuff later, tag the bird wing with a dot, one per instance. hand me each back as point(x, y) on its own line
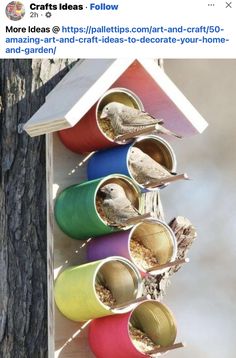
point(126, 206)
point(131, 207)
point(134, 117)
point(154, 169)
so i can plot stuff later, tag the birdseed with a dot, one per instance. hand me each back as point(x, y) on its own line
point(106, 128)
point(105, 295)
point(141, 341)
point(99, 206)
point(142, 255)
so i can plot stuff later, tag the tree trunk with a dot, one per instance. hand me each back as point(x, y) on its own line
point(24, 85)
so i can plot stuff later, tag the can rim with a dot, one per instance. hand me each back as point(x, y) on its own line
point(173, 240)
point(162, 141)
point(167, 311)
point(117, 89)
point(119, 176)
point(126, 263)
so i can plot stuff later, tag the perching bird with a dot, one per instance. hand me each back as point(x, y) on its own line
point(117, 207)
point(125, 119)
point(145, 169)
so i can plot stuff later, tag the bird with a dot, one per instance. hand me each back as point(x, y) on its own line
point(116, 206)
point(144, 169)
point(125, 119)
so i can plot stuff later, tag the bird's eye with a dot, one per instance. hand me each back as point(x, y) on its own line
point(112, 189)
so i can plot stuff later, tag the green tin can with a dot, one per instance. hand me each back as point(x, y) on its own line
point(76, 209)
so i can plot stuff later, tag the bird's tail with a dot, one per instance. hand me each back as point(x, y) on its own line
point(163, 130)
point(168, 180)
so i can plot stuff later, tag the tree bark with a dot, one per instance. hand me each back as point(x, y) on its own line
point(155, 287)
point(24, 85)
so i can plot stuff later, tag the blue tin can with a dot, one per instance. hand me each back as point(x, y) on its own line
point(116, 160)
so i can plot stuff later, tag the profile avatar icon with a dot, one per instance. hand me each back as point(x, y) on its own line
point(15, 10)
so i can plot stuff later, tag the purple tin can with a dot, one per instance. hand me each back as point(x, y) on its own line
point(154, 235)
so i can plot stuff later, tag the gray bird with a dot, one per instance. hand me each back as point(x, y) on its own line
point(125, 119)
point(145, 169)
point(117, 207)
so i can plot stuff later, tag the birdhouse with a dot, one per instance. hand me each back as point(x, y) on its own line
point(69, 118)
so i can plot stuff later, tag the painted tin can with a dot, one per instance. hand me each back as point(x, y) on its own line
point(116, 160)
point(75, 292)
point(76, 209)
point(88, 134)
point(153, 234)
point(110, 336)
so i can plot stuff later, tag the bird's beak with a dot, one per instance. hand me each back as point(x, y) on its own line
point(103, 190)
point(103, 114)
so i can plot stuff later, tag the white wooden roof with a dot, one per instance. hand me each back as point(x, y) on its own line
point(87, 81)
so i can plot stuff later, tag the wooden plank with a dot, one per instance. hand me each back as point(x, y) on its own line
point(89, 79)
point(65, 79)
point(175, 95)
point(67, 339)
point(81, 88)
point(161, 97)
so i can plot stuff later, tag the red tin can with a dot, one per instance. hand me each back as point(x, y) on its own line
point(87, 135)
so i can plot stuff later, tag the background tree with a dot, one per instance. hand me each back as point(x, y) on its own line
point(24, 85)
